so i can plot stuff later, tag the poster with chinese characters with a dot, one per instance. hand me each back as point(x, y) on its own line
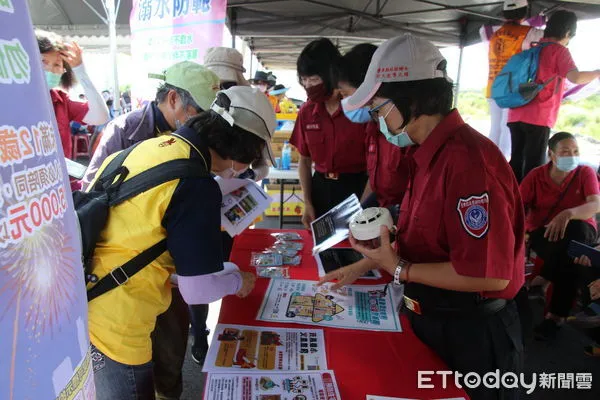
point(272, 386)
point(43, 319)
point(165, 32)
point(239, 348)
point(365, 307)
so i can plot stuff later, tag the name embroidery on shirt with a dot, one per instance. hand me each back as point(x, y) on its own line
point(474, 214)
point(313, 127)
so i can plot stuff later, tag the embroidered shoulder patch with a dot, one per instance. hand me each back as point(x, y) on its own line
point(474, 214)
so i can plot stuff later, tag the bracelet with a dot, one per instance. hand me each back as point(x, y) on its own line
point(402, 264)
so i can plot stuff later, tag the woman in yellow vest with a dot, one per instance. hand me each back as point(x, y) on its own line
point(186, 212)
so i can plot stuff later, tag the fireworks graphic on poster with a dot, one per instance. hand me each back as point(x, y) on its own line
point(42, 266)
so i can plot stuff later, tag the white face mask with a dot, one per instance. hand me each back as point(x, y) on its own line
point(230, 173)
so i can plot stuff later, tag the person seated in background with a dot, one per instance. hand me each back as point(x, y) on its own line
point(324, 135)
point(63, 66)
point(386, 184)
point(188, 89)
point(561, 200)
point(186, 213)
point(228, 64)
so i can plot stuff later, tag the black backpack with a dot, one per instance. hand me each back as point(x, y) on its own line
point(110, 189)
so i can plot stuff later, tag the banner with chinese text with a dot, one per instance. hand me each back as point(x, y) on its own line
point(43, 314)
point(164, 32)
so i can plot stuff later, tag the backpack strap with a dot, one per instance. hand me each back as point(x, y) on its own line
point(157, 175)
point(120, 275)
point(121, 191)
point(113, 169)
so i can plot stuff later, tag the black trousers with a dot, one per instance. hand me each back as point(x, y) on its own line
point(529, 146)
point(169, 343)
point(559, 268)
point(478, 344)
point(327, 193)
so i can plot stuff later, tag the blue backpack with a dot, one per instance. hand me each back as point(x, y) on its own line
point(515, 85)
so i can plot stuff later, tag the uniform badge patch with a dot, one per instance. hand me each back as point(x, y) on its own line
point(474, 214)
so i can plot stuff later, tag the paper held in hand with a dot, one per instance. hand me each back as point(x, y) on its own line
point(243, 202)
point(332, 227)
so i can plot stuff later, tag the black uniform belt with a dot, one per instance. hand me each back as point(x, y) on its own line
point(483, 308)
point(334, 176)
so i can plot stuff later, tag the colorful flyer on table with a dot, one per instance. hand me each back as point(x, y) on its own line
point(353, 307)
point(272, 386)
point(239, 348)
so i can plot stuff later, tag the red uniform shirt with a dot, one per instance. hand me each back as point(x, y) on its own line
point(540, 194)
point(464, 206)
point(333, 142)
point(66, 110)
point(555, 62)
point(384, 167)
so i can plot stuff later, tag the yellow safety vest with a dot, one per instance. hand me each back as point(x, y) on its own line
point(121, 320)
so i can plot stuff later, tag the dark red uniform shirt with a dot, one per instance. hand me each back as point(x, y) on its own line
point(384, 164)
point(333, 142)
point(464, 206)
point(540, 194)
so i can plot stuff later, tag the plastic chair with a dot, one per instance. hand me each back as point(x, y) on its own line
point(81, 145)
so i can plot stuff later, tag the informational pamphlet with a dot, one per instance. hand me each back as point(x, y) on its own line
point(332, 227)
point(365, 307)
point(272, 386)
point(239, 348)
point(243, 202)
point(338, 257)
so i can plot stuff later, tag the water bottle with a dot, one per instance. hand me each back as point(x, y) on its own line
point(286, 155)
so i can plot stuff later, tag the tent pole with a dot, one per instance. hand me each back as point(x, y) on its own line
point(457, 85)
point(112, 33)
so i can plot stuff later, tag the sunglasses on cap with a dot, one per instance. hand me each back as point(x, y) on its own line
point(374, 112)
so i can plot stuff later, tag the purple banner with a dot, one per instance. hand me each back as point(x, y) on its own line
point(43, 309)
point(164, 32)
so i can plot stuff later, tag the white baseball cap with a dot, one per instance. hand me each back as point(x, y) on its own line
point(227, 63)
point(400, 59)
point(514, 4)
point(250, 110)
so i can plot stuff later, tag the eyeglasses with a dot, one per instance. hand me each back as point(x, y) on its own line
point(374, 112)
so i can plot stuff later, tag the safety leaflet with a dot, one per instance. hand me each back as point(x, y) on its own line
point(366, 307)
point(239, 348)
point(272, 386)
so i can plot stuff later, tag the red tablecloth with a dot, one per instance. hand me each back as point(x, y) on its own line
point(364, 362)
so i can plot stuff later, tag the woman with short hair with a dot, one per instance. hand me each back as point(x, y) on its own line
point(324, 136)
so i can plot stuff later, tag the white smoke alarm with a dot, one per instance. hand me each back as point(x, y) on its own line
point(366, 224)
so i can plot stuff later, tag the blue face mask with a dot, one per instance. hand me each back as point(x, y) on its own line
point(401, 140)
point(567, 164)
point(52, 79)
point(358, 116)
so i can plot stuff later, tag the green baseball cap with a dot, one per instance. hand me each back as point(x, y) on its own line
point(199, 81)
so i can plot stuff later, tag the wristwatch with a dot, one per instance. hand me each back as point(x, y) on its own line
point(402, 264)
